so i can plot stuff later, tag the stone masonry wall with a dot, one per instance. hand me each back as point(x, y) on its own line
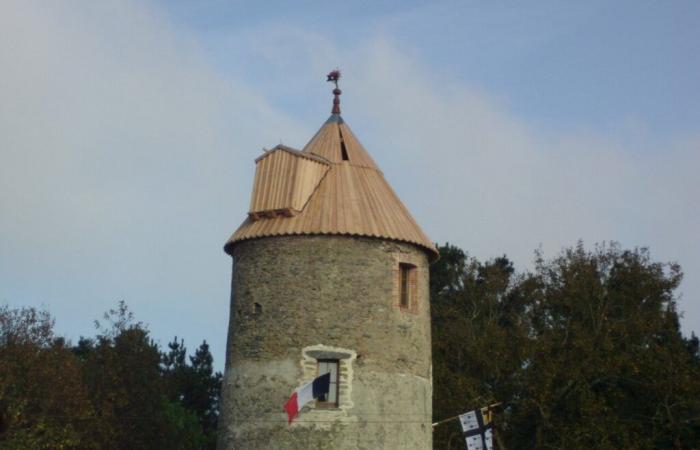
point(298, 298)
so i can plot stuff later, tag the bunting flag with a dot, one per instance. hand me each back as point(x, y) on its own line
point(317, 389)
point(477, 429)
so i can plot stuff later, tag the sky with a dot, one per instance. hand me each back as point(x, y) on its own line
point(128, 131)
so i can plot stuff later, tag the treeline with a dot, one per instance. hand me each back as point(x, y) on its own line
point(117, 390)
point(584, 352)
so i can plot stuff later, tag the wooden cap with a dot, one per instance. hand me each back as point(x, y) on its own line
point(344, 193)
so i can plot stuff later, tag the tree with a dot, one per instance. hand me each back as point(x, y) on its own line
point(123, 375)
point(585, 352)
point(113, 391)
point(478, 337)
point(43, 403)
point(195, 387)
point(205, 392)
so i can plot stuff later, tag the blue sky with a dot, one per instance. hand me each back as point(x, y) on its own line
point(565, 64)
point(128, 132)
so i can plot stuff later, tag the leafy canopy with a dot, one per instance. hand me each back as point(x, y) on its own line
point(114, 391)
point(584, 352)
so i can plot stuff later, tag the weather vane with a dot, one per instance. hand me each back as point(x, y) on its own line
point(334, 76)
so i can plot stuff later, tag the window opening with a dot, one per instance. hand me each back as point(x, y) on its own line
point(343, 150)
point(329, 366)
point(257, 309)
point(405, 285)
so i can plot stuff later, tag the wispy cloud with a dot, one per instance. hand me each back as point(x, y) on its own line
point(479, 175)
point(126, 160)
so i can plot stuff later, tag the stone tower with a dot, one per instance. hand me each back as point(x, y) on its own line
point(330, 274)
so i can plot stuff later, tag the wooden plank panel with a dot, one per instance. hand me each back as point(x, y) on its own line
point(284, 181)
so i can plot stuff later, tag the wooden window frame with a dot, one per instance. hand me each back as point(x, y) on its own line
point(406, 286)
point(336, 404)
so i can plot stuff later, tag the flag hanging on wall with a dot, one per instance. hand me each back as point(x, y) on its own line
point(477, 429)
point(306, 393)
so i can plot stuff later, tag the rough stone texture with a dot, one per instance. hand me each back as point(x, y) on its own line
point(297, 298)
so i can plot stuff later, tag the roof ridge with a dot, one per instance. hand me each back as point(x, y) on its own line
point(293, 151)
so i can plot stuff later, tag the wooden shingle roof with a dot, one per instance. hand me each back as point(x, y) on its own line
point(341, 191)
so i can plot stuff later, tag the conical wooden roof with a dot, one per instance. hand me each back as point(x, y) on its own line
point(331, 187)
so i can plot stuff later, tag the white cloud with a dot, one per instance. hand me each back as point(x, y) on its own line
point(477, 175)
point(126, 161)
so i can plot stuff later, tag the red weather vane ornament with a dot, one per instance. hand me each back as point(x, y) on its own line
point(334, 76)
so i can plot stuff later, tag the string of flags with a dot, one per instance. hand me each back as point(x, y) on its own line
point(477, 427)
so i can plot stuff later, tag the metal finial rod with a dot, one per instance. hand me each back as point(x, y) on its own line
point(334, 76)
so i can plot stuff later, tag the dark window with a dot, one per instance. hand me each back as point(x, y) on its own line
point(405, 274)
point(332, 366)
point(343, 150)
point(257, 309)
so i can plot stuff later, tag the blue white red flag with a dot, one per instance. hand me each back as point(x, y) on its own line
point(307, 393)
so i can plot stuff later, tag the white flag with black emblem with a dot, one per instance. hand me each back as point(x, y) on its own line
point(477, 430)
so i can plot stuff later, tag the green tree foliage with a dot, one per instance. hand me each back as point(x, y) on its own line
point(196, 386)
point(122, 372)
point(43, 403)
point(584, 352)
point(478, 338)
point(107, 392)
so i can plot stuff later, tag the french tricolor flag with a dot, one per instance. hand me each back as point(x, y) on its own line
point(304, 394)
